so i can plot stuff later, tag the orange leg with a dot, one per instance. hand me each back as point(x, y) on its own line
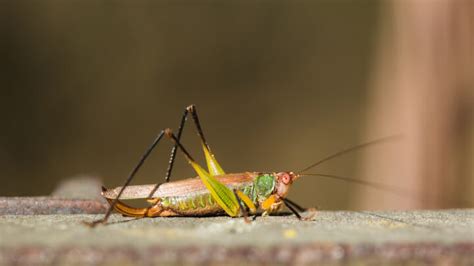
point(155, 210)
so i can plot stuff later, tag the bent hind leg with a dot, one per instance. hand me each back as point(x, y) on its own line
point(156, 210)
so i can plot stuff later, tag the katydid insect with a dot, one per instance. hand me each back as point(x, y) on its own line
point(213, 191)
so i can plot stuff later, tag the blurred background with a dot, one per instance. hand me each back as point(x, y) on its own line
point(86, 85)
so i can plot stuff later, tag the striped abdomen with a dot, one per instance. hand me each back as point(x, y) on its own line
point(188, 197)
point(199, 203)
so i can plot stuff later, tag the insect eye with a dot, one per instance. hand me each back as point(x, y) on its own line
point(285, 178)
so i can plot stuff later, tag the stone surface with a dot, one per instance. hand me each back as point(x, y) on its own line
point(333, 238)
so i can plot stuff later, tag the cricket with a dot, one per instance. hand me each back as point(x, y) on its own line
point(213, 191)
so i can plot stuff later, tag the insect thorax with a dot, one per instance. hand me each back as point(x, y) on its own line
point(263, 187)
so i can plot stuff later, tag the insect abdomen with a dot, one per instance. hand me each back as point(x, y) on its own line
point(198, 204)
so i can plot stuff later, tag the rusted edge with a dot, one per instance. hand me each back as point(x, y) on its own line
point(49, 205)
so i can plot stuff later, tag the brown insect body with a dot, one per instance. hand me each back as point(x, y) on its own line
point(187, 197)
point(180, 188)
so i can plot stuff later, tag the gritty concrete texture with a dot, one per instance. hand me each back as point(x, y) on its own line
point(333, 238)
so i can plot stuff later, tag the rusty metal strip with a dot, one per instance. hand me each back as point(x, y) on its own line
point(49, 205)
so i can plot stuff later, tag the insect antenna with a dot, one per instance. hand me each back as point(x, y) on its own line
point(351, 149)
point(395, 190)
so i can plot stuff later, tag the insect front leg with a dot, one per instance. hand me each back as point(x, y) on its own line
point(293, 207)
point(270, 205)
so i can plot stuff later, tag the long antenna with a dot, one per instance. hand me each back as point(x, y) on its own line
point(396, 190)
point(354, 148)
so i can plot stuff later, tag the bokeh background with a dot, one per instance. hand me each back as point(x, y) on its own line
point(86, 85)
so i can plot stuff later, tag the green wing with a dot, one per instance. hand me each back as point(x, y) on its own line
point(224, 196)
point(212, 165)
point(221, 194)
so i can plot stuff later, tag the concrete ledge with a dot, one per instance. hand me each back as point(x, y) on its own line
point(49, 230)
point(333, 238)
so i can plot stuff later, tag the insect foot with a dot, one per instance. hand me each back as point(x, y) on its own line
point(93, 223)
point(312, 214)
